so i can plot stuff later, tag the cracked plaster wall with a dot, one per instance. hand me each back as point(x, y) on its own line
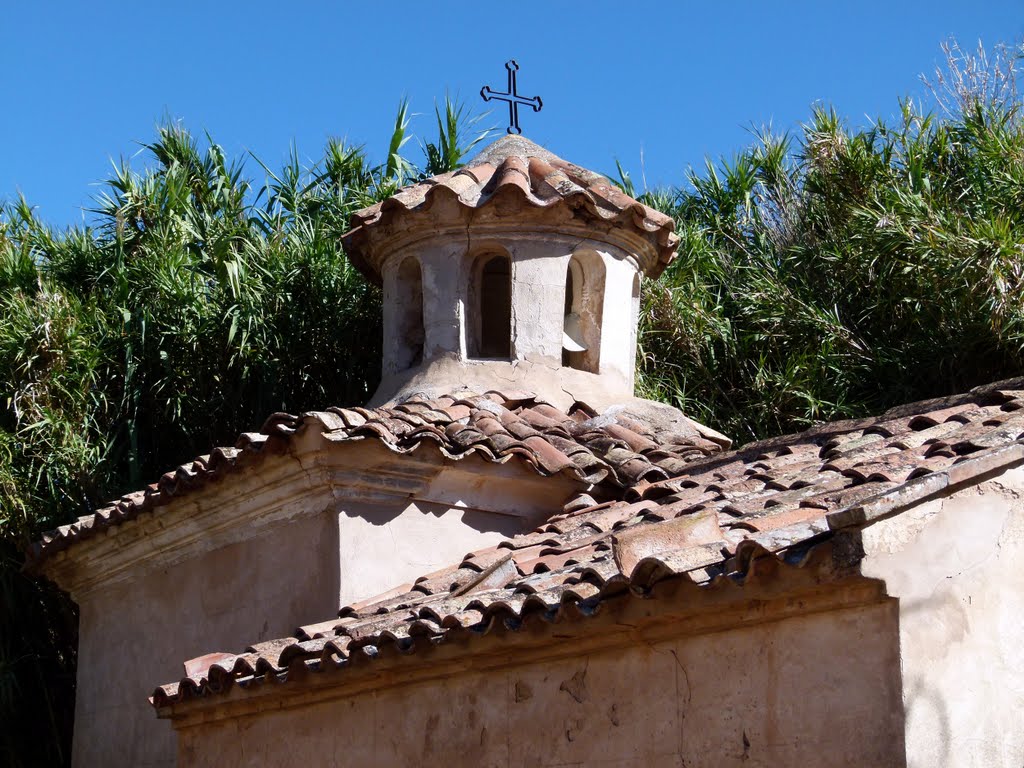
point(955, 565)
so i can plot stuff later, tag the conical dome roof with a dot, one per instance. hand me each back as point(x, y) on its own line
point(506, 176)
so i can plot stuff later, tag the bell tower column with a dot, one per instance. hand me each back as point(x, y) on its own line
point(538, 298)
point(618, 332)
point(445, 281)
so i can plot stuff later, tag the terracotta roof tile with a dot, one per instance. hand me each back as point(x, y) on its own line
point(717, 517)
point(530, 430)
point(511, 173)
point(714, 517)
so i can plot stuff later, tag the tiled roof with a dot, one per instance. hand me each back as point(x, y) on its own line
point(706, 524)
point(515, 170)
point(612, 449)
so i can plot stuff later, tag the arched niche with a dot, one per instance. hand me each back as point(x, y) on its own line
point(490, 307)
point(584, 304)
point(408, 292)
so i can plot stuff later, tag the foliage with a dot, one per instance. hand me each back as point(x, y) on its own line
point(193, 305)
point(843, 271)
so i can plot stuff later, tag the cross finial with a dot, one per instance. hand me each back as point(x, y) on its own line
point(513, 98)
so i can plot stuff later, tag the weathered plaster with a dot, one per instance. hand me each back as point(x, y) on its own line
point(954, 564)
point(819, 689)
point(141, 630)
point(618, 341)
point(585, 305)
point(445, 284)
point(403, 316)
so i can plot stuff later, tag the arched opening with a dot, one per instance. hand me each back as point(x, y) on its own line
point(409, 315)
point(492, 301)
point(584, 301)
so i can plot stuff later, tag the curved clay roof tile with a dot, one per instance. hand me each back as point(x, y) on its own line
point(510, 173)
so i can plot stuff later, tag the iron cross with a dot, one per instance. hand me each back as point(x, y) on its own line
point(513, 98)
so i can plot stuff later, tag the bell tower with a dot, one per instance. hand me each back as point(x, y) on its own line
point(520, 271)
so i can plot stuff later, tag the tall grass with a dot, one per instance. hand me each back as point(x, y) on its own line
point(839, 271)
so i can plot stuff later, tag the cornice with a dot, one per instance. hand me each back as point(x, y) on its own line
point(318, 476)
point(237, 508)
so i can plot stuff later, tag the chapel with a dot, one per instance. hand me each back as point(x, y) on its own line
point(506, 558)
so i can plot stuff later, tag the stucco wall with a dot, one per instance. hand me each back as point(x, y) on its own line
point(955, 565)
point(455, 508)
point(262, 554)
point(819, 690)
point(383, 547)
point(133, 635)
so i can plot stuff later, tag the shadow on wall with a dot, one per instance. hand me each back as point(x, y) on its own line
point(927, 711)
point(925, 708)
point(478, 520)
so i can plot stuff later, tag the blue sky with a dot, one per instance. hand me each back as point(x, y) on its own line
point(672, 83)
